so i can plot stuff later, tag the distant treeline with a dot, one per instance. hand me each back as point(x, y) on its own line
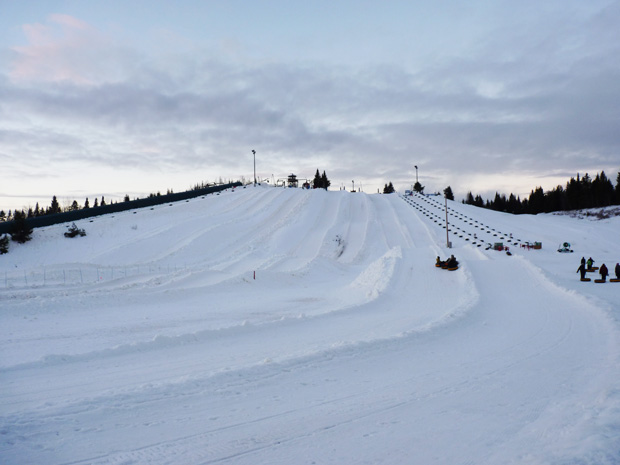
point(55, 207)
point(580, 193)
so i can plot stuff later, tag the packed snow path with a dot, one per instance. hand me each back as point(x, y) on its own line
point(348, 347)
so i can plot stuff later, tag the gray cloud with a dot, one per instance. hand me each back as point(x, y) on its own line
point(524, 104)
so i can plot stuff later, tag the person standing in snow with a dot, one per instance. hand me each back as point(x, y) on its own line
point(617, 270)
point(582, 269)
point(590, 263)
point(604, 272)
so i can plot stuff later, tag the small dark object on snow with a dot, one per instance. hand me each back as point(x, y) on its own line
point(75, 231)
point(565, 247)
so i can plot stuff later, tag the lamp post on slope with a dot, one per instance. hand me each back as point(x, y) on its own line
point(416, 173)
point(448, 245)
point(254, 153)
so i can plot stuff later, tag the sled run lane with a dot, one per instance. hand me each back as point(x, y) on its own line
point(349, 347)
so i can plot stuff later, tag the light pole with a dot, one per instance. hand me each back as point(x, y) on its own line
point(416, 173)
point(447, 233)
point(353, 190)
point(254, 153)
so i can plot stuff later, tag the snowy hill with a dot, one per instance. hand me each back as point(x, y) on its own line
point(287, 326)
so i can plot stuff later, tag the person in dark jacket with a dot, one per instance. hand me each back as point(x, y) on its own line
point(604, 272)
point(582, 269)
point(617, 270)
point(452, 262)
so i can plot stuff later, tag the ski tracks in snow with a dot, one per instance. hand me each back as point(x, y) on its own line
point(349, 347)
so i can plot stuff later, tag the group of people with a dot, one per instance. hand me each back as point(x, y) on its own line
point(587, 265)
point(451, 262)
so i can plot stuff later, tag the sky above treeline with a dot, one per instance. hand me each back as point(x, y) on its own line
point(123, 98)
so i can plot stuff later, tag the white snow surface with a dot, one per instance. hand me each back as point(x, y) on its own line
point(286, 326)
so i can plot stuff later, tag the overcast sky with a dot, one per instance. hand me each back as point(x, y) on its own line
point(133, 97)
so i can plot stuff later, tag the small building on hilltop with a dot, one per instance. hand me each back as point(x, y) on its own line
point(292, 180)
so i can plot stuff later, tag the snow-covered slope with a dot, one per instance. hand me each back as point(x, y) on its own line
point(269, 325)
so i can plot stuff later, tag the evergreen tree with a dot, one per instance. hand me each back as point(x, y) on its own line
point(96, 203)
point(573, 194)
point(537, 201)
point(617, 193)
point(555, 200)
point(75, 231)
point(586, 192)
point(37, 211)
point(498, 203)
point(86, 204)
point(55, 207)
point(389, 188)
point(2, 215)
point(102, 201)
point(316, 182)
point(602, 191)
point(74, 206)
point(512, 206)
point(4, 244)
point(447, 192)
point(325, 183)
point(20, 231)
point(419, 188)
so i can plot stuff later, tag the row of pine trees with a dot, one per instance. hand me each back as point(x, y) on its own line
point(56, 208)
point(579, 193)
point(321, 181)
point(52, 209)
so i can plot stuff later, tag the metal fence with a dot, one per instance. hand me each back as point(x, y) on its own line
point(81, 275)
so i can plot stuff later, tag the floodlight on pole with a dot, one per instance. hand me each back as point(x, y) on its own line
point(416, 173)
point(448, 245)
point(254, 153)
